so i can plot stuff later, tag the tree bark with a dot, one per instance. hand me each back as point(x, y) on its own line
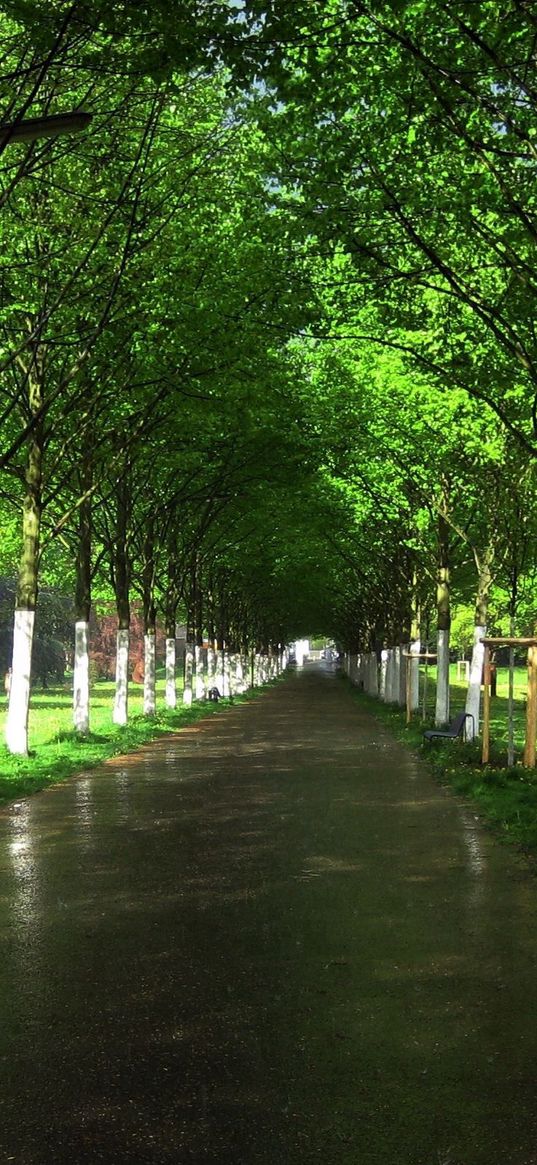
point(170, 616)
point(189, 670)
point(415, 648)
point(171, 690)
point(150, 620)
point(444, 624)
point(27, 584)
point(473, 697)
point(122, 589)
point(81, 676)
point(199, 684)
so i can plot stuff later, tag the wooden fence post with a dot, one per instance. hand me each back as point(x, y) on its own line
point(531, 709)
point(485, 753)
point(408, 688)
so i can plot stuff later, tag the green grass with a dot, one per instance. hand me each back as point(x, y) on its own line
point(55, 750)
point(498, 708)
point(505, 797)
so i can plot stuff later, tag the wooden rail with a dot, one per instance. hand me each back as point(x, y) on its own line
point(531, 704)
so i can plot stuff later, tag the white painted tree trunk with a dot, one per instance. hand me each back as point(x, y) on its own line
point(189, 671)
point(150, 701)
point(401, 695)
point(81, 694)
point(19, 694)
point(226, 675)
point(199, 686)
point(389, 675)
point(383, 669)
point(415, 649)
point(441, 715)
point(396, 675)
point(240, 674)
point(473, 695)
point(121, 701)
point(219, 672)
point(373, 674)
point(211, 668)
point(171, 690)
point(394, 680)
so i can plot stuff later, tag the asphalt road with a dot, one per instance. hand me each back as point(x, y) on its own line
point(271, 938)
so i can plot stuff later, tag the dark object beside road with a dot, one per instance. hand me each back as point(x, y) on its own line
point(213, 694)
point(453, 731)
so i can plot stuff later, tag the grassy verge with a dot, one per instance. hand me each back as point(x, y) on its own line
point(56, 752)
point(505, 797)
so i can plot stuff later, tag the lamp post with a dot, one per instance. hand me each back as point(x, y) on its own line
point(33, 128)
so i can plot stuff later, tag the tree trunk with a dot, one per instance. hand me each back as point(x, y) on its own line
point(121, 702)
point(26, 598)
point(150, 621)
point(444, 625)
point(189, 669)
point(390, 676)
point(81, 679)
point(199, 687)
point(171, 690)
point(81, 676)
point(511, 698)
point(401, 649)
point(211, 666)
point(415, 648)
point(219, 666)
point(473, 697)
point(150, 703)
point(199, 683)
point(122, 586)
point(172, 599)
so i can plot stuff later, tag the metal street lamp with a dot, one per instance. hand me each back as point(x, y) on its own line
point(44, 127)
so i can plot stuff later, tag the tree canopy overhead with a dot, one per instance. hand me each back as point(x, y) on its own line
point(268, 350)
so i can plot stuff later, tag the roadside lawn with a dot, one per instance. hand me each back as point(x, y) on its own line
point(56, 752)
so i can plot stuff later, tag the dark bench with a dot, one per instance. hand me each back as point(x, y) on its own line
point(453, 731)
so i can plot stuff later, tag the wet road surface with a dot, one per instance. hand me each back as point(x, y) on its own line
point(271, 938)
